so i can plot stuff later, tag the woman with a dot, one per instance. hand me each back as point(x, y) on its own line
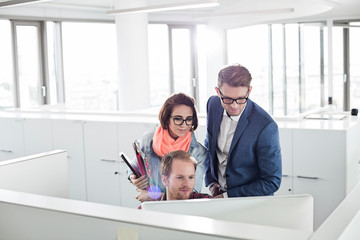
point(178, 121)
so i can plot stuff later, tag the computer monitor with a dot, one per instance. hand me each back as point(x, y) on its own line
point(290, 211)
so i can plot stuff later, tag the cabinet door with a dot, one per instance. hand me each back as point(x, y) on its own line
point(200, 133)
point(319, 168)
point(68, 135)
point(102, 162)
point(37, 136)
point(128, 132)
point(11, 138)
point(286, 144)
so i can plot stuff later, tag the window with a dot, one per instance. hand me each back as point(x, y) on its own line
point(177, 62)
point(292, 69)
point(6, 72)
point(90, 65)
point(354, 67)
point(158, 63)
point(29, 63)
point(278, 69)
point(285, 63)
point(54, 60)
point(201, 39)
point(311, 79)
point(338, 67)
point(249, 47)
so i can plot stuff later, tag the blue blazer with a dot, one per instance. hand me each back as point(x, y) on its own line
point(254, 160)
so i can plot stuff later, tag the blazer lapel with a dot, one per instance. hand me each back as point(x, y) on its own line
point(243, 122)
point(218, 114)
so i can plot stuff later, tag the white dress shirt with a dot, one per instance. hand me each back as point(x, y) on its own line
point(227, 129)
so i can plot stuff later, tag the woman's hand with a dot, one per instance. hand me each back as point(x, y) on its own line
point(141, 182)
point(143, 195)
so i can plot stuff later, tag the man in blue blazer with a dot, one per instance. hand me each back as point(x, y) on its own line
point(244, 157)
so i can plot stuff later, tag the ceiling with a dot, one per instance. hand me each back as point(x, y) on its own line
point(229, 13)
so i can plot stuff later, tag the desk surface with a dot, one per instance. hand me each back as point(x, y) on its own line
point(293, 123)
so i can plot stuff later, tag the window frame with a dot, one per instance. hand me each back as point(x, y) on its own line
point(42, 53)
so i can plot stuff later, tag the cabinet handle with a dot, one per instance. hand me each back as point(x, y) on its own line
point(107, 160)
point(285, 175)
point(6, 151)
point(308, 177)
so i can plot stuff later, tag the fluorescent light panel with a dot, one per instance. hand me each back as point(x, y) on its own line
point(356, 24)
point(252, 12)
point(13, 3)
point(167, 7)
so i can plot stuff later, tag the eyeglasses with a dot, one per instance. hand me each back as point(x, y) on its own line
point(240, 100)
point(179, 120)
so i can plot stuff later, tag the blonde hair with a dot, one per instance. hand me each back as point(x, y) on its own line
point(167, 159)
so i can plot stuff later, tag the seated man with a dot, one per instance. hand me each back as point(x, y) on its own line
point(177, 172)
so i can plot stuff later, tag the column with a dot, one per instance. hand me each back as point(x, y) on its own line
point(132, 49)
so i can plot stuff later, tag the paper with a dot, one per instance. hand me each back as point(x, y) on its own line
point(126, 233)
point(325, 116)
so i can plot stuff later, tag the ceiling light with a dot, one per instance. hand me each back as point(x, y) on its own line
point(167, 7)
point(357, 24)
point(252, 12)
point(13, 3)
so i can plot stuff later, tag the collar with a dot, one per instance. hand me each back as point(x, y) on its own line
point(235, 118)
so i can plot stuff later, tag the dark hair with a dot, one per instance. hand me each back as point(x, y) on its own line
point(235, 76)
point(167, 159)
point(168, 106)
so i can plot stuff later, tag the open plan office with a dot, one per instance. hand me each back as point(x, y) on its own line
point(80, 81)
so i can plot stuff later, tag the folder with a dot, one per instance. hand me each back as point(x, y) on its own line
point(140, 156)
point(127, 161)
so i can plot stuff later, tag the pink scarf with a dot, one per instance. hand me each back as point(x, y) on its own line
point(163, 143)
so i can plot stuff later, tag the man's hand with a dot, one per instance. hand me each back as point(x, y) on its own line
point(219, 196)
point(141, 182)
point(215, 189)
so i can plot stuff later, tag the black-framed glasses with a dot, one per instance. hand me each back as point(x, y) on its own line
point(240, 100)
point(179, 120)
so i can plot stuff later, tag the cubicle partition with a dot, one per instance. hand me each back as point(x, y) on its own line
point(34, 205)
point(34, 217)
point(44, 173)
point(344, 222)
point(291, 211)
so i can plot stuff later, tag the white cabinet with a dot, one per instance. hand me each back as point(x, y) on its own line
point(106, 177)
point(286, 144)
point(200, 133)
point(102, 162)
point(68, 135)
point(24, 136)
point(37, 135)
point(11, 138)
point(127, 133)
point(318, 157)
point(320, 163)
